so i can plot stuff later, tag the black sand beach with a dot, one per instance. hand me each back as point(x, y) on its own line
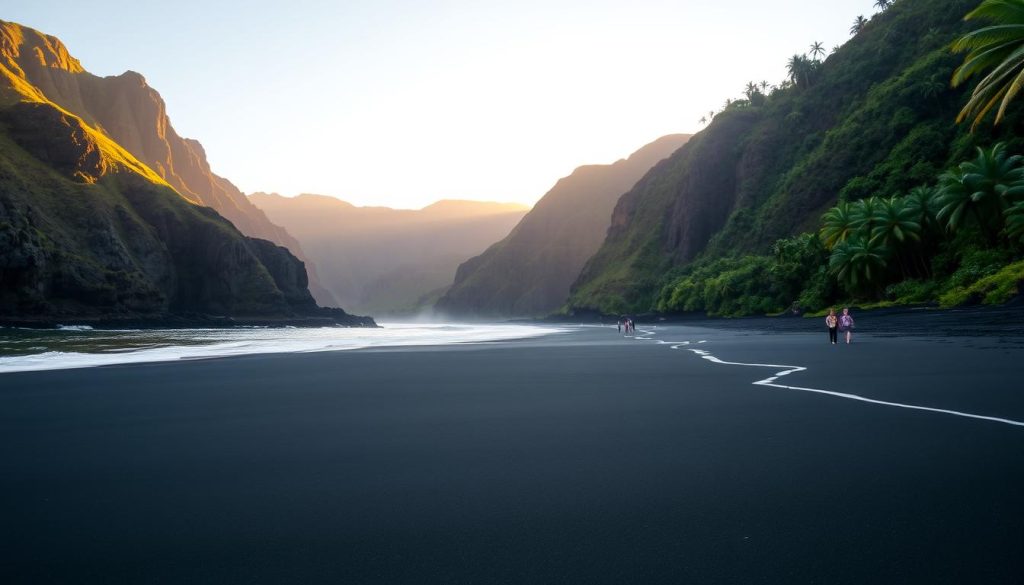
point(577, 458)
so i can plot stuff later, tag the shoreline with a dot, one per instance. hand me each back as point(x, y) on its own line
point(138, 347)
point(327, 318)
point(981, 321)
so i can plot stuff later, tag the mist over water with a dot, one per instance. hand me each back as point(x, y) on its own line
point(23, 350)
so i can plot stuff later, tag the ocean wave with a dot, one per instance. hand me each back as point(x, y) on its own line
point(185, 344)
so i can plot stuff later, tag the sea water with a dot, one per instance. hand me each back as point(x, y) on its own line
point(23, 350)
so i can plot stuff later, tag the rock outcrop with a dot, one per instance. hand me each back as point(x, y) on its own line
point(529, 272)
point(133, 114)
point(90, 233)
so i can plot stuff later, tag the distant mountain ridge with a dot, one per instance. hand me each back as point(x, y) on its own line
point(89, 232)
point(134, 115)
point(389, 261)
point(529, 272)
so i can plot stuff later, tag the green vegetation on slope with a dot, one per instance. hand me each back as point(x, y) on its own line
point(950, 242)
point(87, 231)
point(875, 119)
point(85, 235)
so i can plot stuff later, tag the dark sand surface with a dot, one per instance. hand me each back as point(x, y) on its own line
point(578, 458)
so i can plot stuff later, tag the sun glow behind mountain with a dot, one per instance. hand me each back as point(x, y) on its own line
point(404, 103)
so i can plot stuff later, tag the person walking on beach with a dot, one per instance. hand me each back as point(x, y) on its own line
point(846, 324)
point(620, 325)
point(832, 322)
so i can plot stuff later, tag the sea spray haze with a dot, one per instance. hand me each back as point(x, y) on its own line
point(386, 261)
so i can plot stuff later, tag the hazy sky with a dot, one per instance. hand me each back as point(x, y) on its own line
point(401, 103)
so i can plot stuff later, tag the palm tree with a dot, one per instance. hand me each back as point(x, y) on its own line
point(894, 223)
point(862, 215)
point(800, 68)
point(817, 50)
point(983, 187)
point(837, 225)
point(999, 47)
point(922, 201)
point(764, 86)
point(703, 120)
point(1015, 221)
point(711, 116)
point(883, 4)
point(858, 25)
point(858, 262)
point(895, 226)
point(750, 90)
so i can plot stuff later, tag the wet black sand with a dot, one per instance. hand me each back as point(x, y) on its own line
point(580, 458)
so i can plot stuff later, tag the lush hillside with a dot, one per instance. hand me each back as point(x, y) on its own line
point(90, 233)
point(876, 118)
point(389, 261)
point(529, 272)
point(128, 110)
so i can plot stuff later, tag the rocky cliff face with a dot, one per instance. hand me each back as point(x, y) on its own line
point(134, 115)
point(529, 272)
point(389, 261)
point(89, 232)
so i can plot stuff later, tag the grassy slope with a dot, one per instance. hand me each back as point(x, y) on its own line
point(90, 230)
point(123, 244)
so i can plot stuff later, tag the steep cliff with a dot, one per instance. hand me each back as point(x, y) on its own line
point(529, 272)
point(89, 232)
point(389, 261)
point(133, 114)
point(876, 118)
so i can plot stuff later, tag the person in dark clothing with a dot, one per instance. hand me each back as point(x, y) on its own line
point(832, 322)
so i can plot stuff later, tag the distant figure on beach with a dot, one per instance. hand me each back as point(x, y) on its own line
point(846, 324)
point(620, 325)
point(832, 322)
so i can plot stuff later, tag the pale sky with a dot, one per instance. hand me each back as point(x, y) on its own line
point(401, 103)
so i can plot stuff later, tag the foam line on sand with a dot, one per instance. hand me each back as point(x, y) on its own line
point(784, 370)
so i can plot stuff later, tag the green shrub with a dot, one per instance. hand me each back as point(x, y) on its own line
point(993, 289)
point(912, 291)
point(976, 264)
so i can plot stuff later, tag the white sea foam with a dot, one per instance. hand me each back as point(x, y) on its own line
point(179, 344)
point(784, 370)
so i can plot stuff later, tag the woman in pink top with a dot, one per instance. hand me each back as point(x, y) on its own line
point(846, 324)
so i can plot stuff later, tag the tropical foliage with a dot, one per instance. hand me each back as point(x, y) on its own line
point(858, 25)
point(997, 49)
point(867, 143)
point(949, 241)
